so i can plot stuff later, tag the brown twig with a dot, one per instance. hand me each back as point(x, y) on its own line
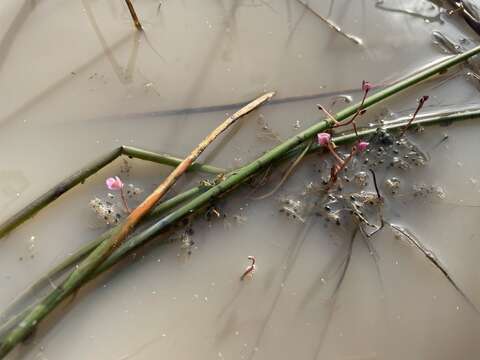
point(134, 15)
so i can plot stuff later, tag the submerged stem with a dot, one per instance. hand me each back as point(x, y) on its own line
point(433, 259)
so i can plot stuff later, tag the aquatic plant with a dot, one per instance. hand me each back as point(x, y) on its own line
point(113, 247)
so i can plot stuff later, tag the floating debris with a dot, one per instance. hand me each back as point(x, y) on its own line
point(292, 209)
point(264, 131)
point(389, 151)
point(240, 219)
point(428, 190)
point(361, 178)
point(187, 242)
point(249, 270)
point(106, 211)
point(393, 185)
point(133, 191)
point(125, 168)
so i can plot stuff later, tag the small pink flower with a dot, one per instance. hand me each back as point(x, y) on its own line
point(114, 183)
point(366, 86)
point(362, 146)
point(323, 139)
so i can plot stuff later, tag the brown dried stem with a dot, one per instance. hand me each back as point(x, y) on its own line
point(137, 23)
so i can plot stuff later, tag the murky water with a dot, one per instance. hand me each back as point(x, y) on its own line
point(77, 81)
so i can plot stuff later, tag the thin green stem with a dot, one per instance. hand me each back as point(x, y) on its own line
point(57, 191)
point(169, 160)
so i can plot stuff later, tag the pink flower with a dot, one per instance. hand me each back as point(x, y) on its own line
point(323, 139)
point(114, 183)
point(362, 146)
point(366, 86)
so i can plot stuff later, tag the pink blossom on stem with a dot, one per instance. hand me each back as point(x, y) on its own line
point(362, 146)
point(114, 183)
point(366, 86)
point(323, 139)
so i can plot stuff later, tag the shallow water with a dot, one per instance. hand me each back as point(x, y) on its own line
point(77, 81)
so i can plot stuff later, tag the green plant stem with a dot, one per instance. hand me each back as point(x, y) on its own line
point(28, 324)
point(167, 159)
point(428, 120)
point(81, 175)
point(57, 191)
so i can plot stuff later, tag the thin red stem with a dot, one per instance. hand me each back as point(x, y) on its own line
point(359, 112)
point(420, 105)
point(329, 115)
point(334, 175)
point(334, 153)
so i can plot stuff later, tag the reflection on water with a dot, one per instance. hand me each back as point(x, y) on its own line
point(78, 81)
